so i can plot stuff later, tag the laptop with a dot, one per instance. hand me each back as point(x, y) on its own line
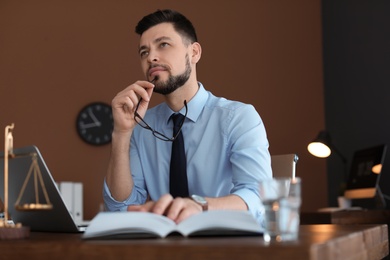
point(362, 188)
point(57, 219)
point(363, 182)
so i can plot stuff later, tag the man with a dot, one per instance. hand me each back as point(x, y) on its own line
point(226, 148)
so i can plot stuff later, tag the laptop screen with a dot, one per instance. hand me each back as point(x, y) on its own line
point(364, 173)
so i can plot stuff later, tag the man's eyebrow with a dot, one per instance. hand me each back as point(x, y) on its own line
point(160, 39)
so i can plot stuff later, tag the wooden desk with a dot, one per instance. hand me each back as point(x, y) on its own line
point(347, 217)
point(315, 242)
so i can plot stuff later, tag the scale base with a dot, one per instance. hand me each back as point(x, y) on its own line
point(14, 232)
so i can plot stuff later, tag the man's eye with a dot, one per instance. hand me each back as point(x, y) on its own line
point(163, 44)
point(143, 54)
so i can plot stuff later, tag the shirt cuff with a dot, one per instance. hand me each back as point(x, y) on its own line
point(253, 202)
point(110, 203)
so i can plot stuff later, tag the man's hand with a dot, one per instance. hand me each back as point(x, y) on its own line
point(176, 209)
point(124, 104)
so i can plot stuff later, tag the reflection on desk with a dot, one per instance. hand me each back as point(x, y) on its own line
point(315, 242)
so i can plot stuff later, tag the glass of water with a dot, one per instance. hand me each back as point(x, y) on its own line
point(281, 198)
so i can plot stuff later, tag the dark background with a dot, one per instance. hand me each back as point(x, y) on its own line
point(356, 40)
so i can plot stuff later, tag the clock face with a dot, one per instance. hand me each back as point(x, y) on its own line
point(95, 123)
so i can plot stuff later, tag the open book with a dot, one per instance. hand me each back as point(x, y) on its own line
point(145, 224)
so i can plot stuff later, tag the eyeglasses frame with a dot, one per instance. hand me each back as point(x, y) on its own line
point(156, 133)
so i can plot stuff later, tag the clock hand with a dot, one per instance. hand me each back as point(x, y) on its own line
point(95, 120)
point(86, 126)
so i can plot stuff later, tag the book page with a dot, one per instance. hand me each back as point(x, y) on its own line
point(145, 224)
point(129, 224)
point(220, 222)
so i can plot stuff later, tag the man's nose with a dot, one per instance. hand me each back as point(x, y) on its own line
point(153, 56)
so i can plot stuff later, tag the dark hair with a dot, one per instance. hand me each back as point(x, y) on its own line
point(181, 24)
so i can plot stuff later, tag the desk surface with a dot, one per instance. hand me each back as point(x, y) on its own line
point(346, 217)
point(315, 242)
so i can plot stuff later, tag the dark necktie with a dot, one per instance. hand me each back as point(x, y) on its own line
point(178, 184)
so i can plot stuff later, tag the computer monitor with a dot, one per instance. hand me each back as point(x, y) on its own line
point(363, 180)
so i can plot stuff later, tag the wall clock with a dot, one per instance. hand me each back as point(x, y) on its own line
point(95, 123)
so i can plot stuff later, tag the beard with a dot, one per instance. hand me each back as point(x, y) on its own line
point(173, 82)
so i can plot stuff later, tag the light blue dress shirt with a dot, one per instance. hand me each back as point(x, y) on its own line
point(226, 148)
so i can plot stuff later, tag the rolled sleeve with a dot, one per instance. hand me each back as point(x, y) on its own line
point(253, 202)
point(110, 203)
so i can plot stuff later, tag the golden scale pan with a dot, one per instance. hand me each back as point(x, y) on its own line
point(36, 172)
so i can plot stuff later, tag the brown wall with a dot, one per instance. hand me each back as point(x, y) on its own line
point(57, 56)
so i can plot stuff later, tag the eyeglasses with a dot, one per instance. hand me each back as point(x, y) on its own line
point(157, 134)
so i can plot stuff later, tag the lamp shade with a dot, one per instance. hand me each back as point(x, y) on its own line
point(320, 146)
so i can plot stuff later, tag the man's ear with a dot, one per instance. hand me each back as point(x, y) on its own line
point(196, 52)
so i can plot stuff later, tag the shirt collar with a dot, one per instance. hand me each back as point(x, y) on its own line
point(194, 106)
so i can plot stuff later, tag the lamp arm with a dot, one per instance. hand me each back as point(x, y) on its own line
point(340, 154)
point(344, 160)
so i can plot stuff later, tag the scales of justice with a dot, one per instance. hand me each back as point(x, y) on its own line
point(9, 229)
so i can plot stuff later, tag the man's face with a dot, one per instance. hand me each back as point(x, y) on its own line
point(165, 58)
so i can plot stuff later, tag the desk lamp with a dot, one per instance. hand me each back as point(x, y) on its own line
point(322, 147)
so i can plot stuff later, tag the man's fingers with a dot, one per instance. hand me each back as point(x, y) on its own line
point(143, 208)
point(176, 209)
point(144, 89)
point(163, 204)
